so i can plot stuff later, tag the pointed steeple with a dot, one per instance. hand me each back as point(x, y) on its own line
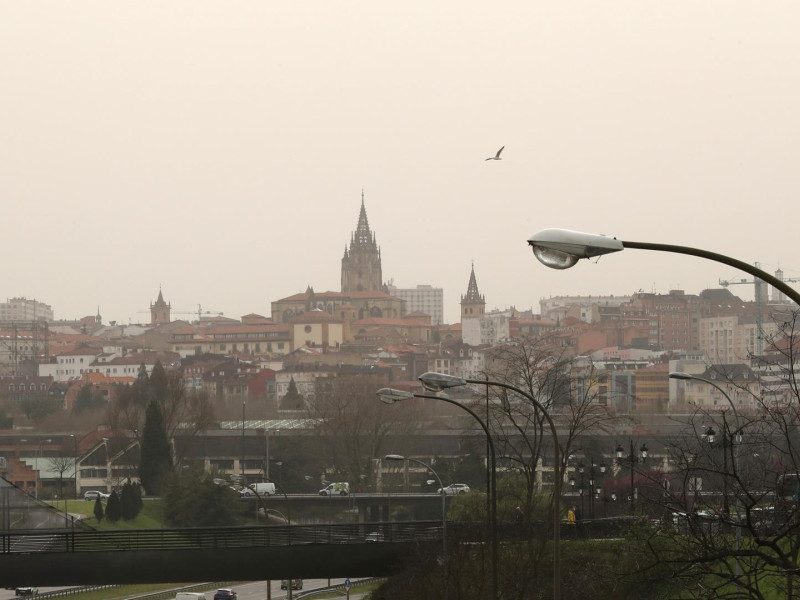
point(363, 237)
point(473, 304)
point(361, 263)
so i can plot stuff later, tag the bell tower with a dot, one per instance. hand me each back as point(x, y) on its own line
point(361, 263)
point(159, 311)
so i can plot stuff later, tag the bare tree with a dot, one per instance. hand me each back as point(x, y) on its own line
point(727, 507)
point(61, 464)
point(354, 425)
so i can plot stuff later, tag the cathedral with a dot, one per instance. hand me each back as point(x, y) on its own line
point(363, 293)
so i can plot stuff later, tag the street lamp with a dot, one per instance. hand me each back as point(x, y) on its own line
point(438, 382)
point(390, 396)
point(562, 248)
point(737, 435)
point(398, 457)
point(632, 459)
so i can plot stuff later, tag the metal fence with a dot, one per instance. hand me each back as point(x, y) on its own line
point(217, 537)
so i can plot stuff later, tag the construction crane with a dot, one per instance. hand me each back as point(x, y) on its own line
point(199, 312)
point(760, 292)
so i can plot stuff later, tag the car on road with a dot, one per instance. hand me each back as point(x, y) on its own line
point(338, 489)
point(454, 489)
point(26, 591)
point(225, 594)
point(375, 536)
point(297, 584)
point(94, 495)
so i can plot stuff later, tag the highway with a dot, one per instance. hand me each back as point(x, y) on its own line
point(256, 590)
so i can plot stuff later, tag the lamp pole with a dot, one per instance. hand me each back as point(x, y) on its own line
point(680, 376)
point(442, 492)
point(241, 458)
point(631, 459)
point(390, 396)
point(438, 382)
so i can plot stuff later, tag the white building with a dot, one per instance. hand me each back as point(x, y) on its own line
point(22, 309)
point(423, 298)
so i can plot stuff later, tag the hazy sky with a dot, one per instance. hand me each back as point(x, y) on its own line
point(219, 149)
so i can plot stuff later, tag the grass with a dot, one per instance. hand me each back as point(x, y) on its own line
point(151, 517)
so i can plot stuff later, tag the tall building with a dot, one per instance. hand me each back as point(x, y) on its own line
point(473, 306)
point(423, 298)
point(361, 263)
point(22, 309)
point(159, 311)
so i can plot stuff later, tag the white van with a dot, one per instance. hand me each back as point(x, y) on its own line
point(336, 489)
point(263, 489)
point(189, 596)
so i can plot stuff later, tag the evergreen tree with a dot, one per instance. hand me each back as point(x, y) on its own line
point(113, 508)
point(98, 510)
point(141, 377)
point(156, 456)
point(131, 500)
point(159, 386)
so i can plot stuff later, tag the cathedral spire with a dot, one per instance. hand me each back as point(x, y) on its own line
point(362, 238)
point(361, 264)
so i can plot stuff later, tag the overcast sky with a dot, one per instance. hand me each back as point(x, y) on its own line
point(219, 149)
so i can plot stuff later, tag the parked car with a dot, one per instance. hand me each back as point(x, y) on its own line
point(297, 584)
point(94, 495)
point(375, 536)
point(26, 591)
point(341, 489)
point(225, 594)
point(455, 488)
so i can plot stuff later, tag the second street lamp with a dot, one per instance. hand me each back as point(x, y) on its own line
point(443, 493)
point(390, 396)
point(438, 382)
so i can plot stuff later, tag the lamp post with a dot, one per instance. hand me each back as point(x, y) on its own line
point(594, 485)
point(680, 376)
point(631, 459)
point(390, 396)
point(398, 457)
point(241, 458)
point(562, 248)
point(438, 382)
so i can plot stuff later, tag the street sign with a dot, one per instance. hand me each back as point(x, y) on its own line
point(347, 585)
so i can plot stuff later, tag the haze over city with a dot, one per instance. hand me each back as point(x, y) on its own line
point(220, 151)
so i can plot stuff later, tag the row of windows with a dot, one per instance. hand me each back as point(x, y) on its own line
point(31, 387)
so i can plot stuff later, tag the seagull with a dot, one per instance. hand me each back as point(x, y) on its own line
point(496, 156)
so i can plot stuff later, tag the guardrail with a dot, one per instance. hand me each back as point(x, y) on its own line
point(22, 542)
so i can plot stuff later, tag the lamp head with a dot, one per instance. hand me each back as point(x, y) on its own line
point(562, 248)
point(394, 457)
point(437, 382)
point(680, 376)
point(390, 396)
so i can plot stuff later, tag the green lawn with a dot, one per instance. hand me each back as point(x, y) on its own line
point(151, 516)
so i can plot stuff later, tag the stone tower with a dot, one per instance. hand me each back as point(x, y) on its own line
point(159, 311)
point(473, 305)
point(361, 263)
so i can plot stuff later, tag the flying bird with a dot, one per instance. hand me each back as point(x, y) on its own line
point(496, 156)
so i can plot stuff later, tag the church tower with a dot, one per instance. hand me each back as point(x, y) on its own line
point(159, 311)
point(361, 263)
point(473, 306)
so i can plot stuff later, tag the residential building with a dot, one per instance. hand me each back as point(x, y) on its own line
point(422, 298)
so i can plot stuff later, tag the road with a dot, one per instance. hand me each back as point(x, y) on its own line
point(256, 590)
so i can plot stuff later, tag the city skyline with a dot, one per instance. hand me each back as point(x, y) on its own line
point(219, 153)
